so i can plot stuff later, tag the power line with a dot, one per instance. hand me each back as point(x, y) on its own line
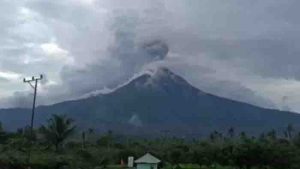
point(34, 87)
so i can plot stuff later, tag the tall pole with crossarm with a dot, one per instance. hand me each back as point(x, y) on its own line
point(33, 82)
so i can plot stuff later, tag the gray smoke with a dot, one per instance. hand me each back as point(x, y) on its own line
point(126, 56)
point(246, 50)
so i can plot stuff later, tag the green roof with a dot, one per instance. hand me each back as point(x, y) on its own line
point(148, 158)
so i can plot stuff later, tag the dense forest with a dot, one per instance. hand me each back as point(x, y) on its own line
point(60, 145)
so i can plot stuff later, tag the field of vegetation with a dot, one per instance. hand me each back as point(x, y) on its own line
point(59, 145)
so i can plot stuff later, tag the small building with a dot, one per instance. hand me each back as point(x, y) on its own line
point(148, 161)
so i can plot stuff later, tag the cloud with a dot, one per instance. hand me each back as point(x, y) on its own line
point(10, 76)
point(246, 51)
point(53, 51)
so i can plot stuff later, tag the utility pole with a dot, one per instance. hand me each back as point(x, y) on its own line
point(34, 87)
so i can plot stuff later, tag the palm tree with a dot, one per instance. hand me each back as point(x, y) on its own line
point(59, 128)
point(272, 134)
point(243, 135)
point(231, 132)
point(91, 131)
point(212, 137)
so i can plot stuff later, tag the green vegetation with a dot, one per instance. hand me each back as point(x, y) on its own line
point(58, 145)
point(58, 130)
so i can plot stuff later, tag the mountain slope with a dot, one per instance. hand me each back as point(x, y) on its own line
point(159, 103)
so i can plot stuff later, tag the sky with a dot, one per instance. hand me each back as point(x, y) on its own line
point(242, 50)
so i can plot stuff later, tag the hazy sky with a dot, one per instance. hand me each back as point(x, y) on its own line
point(244, 50)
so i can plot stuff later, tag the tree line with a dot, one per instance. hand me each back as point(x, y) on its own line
point(59, 144)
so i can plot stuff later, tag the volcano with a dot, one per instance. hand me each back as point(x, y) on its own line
point(158, 103)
